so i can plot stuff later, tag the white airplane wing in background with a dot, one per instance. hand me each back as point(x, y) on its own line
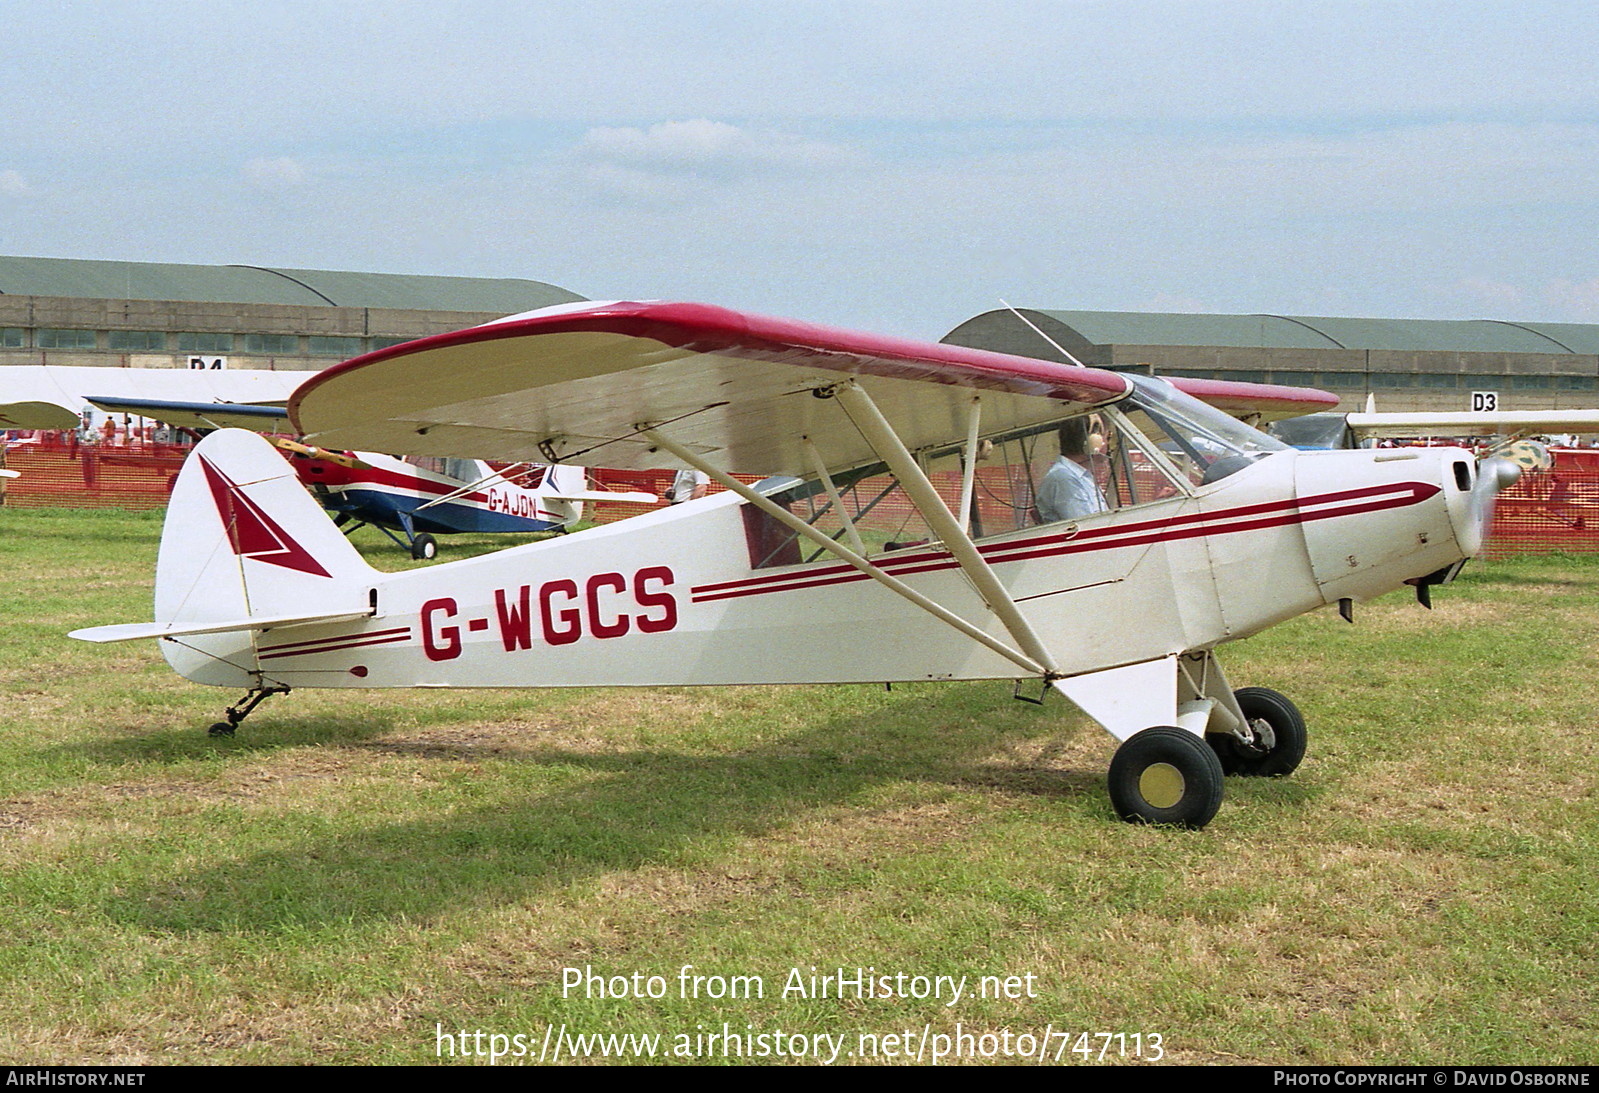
point(1469, 423)
point(51, 397)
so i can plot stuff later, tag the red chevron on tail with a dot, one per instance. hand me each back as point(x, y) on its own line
point(252, 532)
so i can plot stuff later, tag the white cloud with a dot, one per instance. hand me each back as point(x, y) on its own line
point(674, 158)
point(1576, 300)
point(274, 173)
point(12, 184)
point(1500, 298)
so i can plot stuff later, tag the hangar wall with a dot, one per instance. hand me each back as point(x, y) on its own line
point(1409, 364)
point(158, 315)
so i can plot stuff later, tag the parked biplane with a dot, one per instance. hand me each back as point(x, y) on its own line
point(898, 539)
point(423, 496)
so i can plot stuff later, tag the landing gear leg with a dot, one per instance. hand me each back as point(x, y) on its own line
point(242, 708)
point(423, 547)
point(1165, 774)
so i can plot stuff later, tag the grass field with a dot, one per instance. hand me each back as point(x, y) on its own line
point(354, 871)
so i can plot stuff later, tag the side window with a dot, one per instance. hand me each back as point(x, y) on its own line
point(464, 469)
point(430, 463)
point(882, 516)
point(1064, 470)
point(1135, 477)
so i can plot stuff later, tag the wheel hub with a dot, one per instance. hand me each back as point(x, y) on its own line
point(1262, 738)
point(1161, 785)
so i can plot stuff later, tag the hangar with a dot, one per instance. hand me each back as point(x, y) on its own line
point(1408, 364)
point(69, 311)
point(160, 315)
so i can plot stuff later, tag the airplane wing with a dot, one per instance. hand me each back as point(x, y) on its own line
point(37, 396)
point(200, 415)
point(574, 384)
point(1479, 423)
point(1257, 403)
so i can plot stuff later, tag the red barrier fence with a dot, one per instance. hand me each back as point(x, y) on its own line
point(61, 472)
point(1549, 510)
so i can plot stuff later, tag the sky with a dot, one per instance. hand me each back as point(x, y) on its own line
point(891, 166)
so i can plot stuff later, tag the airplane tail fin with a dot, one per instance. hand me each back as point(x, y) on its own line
point(244, 545)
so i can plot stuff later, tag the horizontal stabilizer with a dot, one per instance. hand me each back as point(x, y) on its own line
point(630, 496)
point(132, 631)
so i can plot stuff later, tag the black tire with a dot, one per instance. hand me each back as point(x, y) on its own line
point(222, 728)
point(424, 548)
point(1287, 749)
point(1165, 775)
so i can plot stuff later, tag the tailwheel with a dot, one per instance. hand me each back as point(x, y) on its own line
point(1276, 738)
point(1166, 775)
point(243, 708)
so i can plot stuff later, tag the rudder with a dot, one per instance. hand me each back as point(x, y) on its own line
point(243, 538)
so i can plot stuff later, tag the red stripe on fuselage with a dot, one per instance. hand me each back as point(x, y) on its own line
point(1192, 525)
point(341, 637)
point(379, 476)
point(355, 642)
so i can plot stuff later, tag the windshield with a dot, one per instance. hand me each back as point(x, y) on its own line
point(1204, 443)
point(1313, 431)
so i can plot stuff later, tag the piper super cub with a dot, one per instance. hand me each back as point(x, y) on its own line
point(934, 513)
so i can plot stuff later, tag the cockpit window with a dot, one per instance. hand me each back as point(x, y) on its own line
point(1149, 447)
point(1313, 431)
point(1203, 443)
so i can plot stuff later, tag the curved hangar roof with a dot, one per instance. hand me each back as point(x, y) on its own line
point(81, 279)
point(1283, 332)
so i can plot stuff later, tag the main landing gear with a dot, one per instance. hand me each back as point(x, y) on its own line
point(1273, 741)
point(1165, 775)
point(418, 544)
point(1174, 774)
point(242, 709)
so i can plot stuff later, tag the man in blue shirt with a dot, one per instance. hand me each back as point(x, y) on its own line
point(1069, 489)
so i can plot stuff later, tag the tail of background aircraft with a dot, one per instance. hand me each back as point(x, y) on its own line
point(244, 547)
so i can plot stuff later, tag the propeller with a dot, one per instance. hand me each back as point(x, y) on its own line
point(343, 459)
point(1494, 475)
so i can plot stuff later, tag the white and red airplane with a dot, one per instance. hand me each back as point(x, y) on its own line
point(914, 529)
point(423, 496)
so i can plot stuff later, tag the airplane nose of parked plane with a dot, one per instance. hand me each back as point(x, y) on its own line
point(1378, 518)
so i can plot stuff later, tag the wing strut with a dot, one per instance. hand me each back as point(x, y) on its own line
point(479, 484)
point(832, 495)
point(822, 539)
point(969, 472)
point(943, 523)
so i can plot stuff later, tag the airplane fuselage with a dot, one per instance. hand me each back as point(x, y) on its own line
point(673, 597)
